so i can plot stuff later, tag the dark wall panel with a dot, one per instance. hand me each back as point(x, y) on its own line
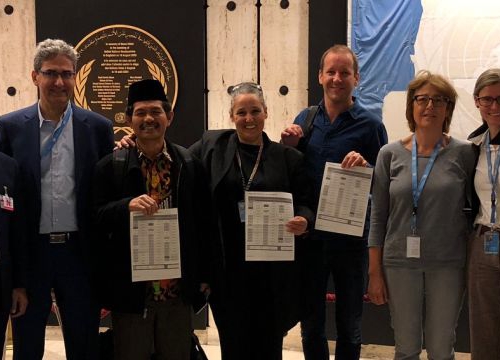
point(179, 25)
point(327, 26)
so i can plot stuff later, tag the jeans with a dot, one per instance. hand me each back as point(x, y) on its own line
point(312, 324)
point(440, 291)
point(348, 268)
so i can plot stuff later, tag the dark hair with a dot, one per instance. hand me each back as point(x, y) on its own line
point(340, 49)
point(167, 107)
point(443, 86)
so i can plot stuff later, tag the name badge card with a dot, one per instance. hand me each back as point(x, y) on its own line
point(6, 202)
point(241, 210)
point(491, 242)
point(413, 246)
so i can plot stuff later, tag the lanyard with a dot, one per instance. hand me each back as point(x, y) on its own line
point(246, 186)
point(57, 132)
point(418, 188)
point(493, 176)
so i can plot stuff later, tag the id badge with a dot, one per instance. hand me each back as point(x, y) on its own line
point(241, 209)
point(6, 202)
point(413, 246)
point(491, 242)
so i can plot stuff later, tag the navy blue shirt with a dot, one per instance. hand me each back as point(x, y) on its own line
point(353, 130)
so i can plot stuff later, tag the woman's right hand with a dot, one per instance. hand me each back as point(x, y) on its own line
point(377, 290)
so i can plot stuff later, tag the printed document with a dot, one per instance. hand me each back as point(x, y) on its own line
point(154, 245)
point(266, 238)
point(344, 199)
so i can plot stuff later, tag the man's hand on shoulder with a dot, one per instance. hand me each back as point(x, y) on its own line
point(144, 203)
point(291, 135)
point(126, 142)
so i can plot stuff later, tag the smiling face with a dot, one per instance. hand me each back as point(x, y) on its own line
point(248, 114)
point(54, 93)
point(338, 78)
point(429, 116)
point(150, 121)
point(490, 114)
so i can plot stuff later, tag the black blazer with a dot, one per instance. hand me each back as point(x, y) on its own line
point(12, 244)
point(111, 197)
point(20, 138)
point(282, 169)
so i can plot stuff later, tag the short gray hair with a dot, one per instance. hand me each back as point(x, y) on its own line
point(246, 88)
point(50, 48)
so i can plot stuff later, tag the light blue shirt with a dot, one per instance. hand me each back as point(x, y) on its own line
point(57, 178)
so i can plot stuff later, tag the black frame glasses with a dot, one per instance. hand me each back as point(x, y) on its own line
point(54, 75)
point(437, 101)
point(487, 100)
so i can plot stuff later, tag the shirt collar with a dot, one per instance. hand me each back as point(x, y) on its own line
point(163, 153)
point(478, 136)
point(42, 119)
point(354, 110)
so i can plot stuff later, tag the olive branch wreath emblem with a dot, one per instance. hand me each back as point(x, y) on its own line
point(80, 81)
point(157, 74)
point(84, 72)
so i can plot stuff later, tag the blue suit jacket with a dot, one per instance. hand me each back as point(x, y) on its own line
point(12, 250)
point(20, 138)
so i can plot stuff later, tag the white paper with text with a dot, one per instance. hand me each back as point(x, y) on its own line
point(155, 246)
point(266, 238)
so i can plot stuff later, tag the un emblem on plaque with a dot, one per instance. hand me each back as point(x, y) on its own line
point(113, 57)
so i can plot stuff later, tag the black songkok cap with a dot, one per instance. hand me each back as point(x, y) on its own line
point(145, 90)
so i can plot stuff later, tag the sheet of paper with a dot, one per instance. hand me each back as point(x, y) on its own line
point(266, 238)
point(343, 199)
point(154, 245)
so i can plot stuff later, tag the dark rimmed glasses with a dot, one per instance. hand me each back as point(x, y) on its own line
point(488, 100)
point(437, 101)
point(54, 75)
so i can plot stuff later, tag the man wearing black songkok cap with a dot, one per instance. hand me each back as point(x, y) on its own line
point(153, 315)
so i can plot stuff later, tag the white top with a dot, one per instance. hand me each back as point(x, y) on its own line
point(482, 184)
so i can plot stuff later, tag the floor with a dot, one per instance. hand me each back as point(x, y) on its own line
point(209, 338)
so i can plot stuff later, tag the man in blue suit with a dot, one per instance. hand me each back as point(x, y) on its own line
point(56, 145)
point(13, 298)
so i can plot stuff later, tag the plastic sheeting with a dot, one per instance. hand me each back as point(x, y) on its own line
point(383, 35)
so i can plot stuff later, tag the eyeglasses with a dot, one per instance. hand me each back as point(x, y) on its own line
point(54, 75)
point(487, 100)
point(233, 89)
point(437, 101)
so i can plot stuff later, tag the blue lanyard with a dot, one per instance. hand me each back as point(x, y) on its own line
point(418, 188)
point(493, 176)
point(47, 149)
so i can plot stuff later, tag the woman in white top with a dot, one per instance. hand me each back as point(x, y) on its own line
point(484, 262)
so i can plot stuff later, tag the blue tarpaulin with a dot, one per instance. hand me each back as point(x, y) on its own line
point(383, 35)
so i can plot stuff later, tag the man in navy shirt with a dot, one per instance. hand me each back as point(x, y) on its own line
point(342, 132)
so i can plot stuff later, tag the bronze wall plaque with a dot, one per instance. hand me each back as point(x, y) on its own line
point(113, 57)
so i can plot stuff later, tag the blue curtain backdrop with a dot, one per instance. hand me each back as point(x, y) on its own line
point(383, 36)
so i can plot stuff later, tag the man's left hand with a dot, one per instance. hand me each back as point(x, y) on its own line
point(352, 159)
point(19, 302)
